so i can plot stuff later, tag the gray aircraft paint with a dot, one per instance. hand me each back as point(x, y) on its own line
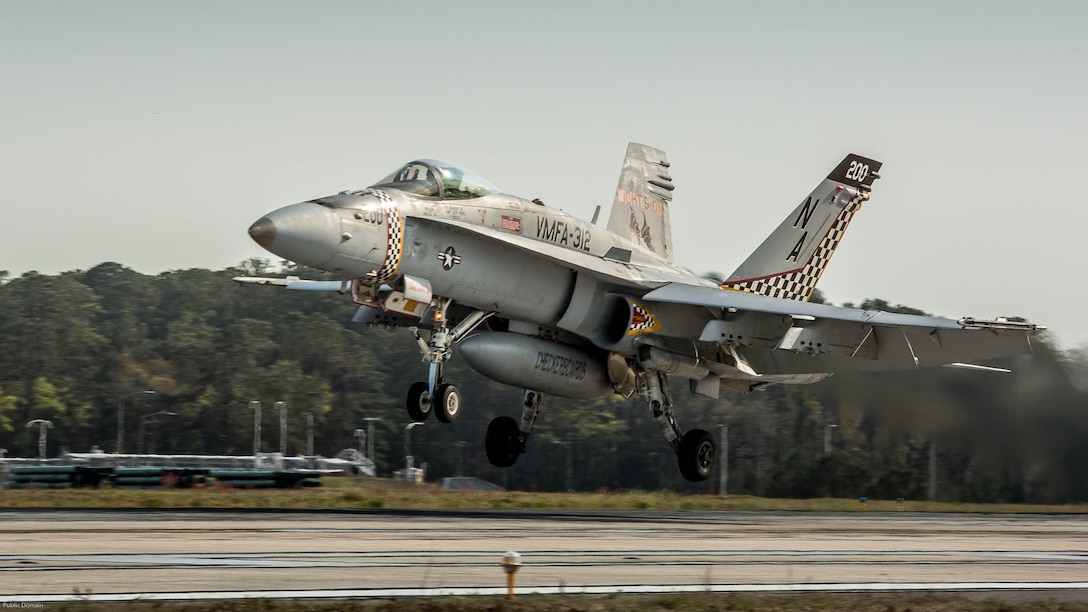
point(529, 262)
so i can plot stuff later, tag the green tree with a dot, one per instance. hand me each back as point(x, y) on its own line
point(72, 344)
point(8, 404)
point(49, 330)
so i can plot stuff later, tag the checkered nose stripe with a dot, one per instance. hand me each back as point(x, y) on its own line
point(394, 237)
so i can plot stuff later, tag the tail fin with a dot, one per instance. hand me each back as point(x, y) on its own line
point(791, 260)
point(640, 211)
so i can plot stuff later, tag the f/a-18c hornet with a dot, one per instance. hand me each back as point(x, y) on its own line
point(538, 299)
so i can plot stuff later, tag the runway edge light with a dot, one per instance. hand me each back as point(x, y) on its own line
point(511, 563)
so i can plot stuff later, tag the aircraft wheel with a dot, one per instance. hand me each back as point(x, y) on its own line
point(696, 455)
point(419, 401)
point(447, 405)
point(502, 442)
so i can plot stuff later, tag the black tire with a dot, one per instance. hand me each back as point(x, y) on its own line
point(447, 404)
point(696, 455)
point(502, 442)
point(419, 401)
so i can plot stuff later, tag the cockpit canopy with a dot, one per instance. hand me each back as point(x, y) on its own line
point(437, 179)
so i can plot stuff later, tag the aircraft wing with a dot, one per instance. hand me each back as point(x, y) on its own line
point(872, 339)
point(616, 272)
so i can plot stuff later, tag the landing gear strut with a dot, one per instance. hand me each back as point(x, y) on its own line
point(506, 438)
point(435, 395)
point(695, 450)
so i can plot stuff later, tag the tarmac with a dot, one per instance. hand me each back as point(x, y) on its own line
point(51, 555)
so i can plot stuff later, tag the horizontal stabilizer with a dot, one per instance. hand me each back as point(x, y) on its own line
point(858, 339)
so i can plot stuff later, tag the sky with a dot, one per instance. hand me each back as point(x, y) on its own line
point(153, 134)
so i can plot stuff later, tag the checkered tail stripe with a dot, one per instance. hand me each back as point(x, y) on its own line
point(799, 284)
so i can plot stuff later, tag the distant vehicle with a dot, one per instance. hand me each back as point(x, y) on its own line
point(538, 299)
point(467, 483)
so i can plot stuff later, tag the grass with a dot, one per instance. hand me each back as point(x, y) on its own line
point(698, 602)
point(370, 493)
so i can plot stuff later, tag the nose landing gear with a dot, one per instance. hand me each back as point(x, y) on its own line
point(419, 401)
point(448, 406)
point(435, 395)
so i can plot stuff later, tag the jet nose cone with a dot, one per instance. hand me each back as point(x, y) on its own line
point(305, 233)
point(263, 232)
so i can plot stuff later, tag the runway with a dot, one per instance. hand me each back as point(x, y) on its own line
point(113, 555)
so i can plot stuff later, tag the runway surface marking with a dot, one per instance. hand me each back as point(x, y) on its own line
point(175, 555)
point(29, 563)
point(575, 590)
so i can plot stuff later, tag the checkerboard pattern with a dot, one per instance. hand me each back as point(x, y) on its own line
point(799, 284)
point(642, 320)
point(394, 241)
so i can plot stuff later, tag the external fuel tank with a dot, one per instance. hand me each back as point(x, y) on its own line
point(531, 363)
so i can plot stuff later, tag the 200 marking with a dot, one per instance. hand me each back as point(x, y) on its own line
point(857, 171)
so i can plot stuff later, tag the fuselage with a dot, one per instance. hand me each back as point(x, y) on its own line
point(548, 274)
point(535, 298)
point(380, 234)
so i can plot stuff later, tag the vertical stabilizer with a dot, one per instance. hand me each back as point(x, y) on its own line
point(791, 260)
point(640, 211)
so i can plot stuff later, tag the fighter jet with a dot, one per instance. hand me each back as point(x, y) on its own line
point(538, 299)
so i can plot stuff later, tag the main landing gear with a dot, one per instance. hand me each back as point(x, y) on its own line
point(695, 450)
point(435, 395)
point(506, 438)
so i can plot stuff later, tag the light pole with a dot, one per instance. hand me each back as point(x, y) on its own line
point(121, 417)
point(282, 408)
point(827, 438)
point(460, 458)
point(44, 426)
point(408, 459)
point(309, 434)
point(931, 489)
point(256, 408)
point(143, 426)
point(370, 440)
point(723, 461)
point(570, 467)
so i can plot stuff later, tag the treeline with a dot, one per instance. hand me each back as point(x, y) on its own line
point(78, 346)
